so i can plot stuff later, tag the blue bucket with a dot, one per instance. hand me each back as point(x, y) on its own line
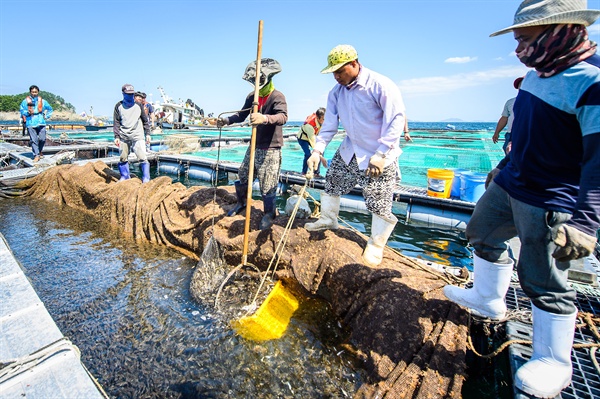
point(472, 186)
point(455, 190)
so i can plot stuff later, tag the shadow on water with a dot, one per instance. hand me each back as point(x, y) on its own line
point(127, 306)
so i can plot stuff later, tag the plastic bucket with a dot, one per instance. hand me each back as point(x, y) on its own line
point(472, 186)
point(439, 182)
point(455, 191)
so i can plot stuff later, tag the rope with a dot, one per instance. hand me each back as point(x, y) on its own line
point(215, 177)
point(587, 318)
point(276, 254)
point(280, 246)
point(447, 277)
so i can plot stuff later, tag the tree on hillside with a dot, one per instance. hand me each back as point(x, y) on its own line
point(12, 103)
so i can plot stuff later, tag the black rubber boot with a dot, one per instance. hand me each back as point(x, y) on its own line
point(270, 211)
point(241, 190)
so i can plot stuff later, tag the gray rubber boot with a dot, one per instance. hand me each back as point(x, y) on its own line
point(270, 211)
point(241, 190)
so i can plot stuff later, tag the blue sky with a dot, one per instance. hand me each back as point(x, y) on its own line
point(438, 51)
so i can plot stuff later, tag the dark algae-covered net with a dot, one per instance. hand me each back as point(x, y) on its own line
point(410, 340)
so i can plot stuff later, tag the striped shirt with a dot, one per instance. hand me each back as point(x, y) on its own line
point(555, 156)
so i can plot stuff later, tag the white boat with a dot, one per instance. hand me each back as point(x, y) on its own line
point(93, 124)
point(179, 115)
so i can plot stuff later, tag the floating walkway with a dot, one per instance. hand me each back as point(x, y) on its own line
point(36, 359)
point(420, 208)
point(586, 370)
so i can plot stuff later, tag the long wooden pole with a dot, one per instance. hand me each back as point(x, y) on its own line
point(252, 146)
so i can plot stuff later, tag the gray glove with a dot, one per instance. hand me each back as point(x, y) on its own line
point(572, 243)
point(224, 121)
point(491, 176)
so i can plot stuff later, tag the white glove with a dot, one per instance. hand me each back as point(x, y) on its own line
point(313, 161)
point(376, 164)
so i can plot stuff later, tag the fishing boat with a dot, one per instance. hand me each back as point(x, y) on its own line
point(95, 128)
point(94, 125)
point(173, 115)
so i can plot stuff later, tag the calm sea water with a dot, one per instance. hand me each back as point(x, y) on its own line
point(434, 145)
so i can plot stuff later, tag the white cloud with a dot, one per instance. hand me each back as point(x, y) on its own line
point(436, 85)
point(460, 60)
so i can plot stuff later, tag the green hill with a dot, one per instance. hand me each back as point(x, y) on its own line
point(12, 103)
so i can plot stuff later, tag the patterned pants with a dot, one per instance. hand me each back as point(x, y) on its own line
point(378, 192)
point(267, 165)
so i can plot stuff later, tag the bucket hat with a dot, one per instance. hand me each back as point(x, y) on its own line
point(339, 56)
point(127, 89)
point(550, 12)
point(268, 68)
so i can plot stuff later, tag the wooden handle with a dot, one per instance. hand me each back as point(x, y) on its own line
point(252, 145)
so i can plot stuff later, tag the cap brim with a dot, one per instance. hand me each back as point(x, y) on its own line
point(580, 17)
point(329, 69)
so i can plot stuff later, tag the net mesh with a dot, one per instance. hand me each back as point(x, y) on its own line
point(411, 340)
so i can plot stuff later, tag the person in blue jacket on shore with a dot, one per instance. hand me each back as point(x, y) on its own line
point(546, 191)
point(35, 111)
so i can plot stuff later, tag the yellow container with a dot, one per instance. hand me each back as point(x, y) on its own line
point(272, 317)
point(439, 182)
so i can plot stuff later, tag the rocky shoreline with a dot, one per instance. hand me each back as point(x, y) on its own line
point(56, 115)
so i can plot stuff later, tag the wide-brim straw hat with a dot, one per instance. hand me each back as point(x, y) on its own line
point(550, 12)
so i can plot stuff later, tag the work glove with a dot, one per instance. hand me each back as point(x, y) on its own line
point(376, 164)
point(572, 243)
point(494, 172)
point(222, 121)
point(257, 118)
point(313, 161)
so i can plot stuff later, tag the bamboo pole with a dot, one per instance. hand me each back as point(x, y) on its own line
point(252, 146)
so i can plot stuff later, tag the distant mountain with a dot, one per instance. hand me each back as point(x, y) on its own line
point(452, 120)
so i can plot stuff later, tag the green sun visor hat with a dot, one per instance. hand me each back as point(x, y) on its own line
point(339, 56)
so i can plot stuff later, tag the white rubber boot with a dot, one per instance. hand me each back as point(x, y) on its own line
point(330, 208)
point(380, 232)
point(490, 283)
point(549, 370)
